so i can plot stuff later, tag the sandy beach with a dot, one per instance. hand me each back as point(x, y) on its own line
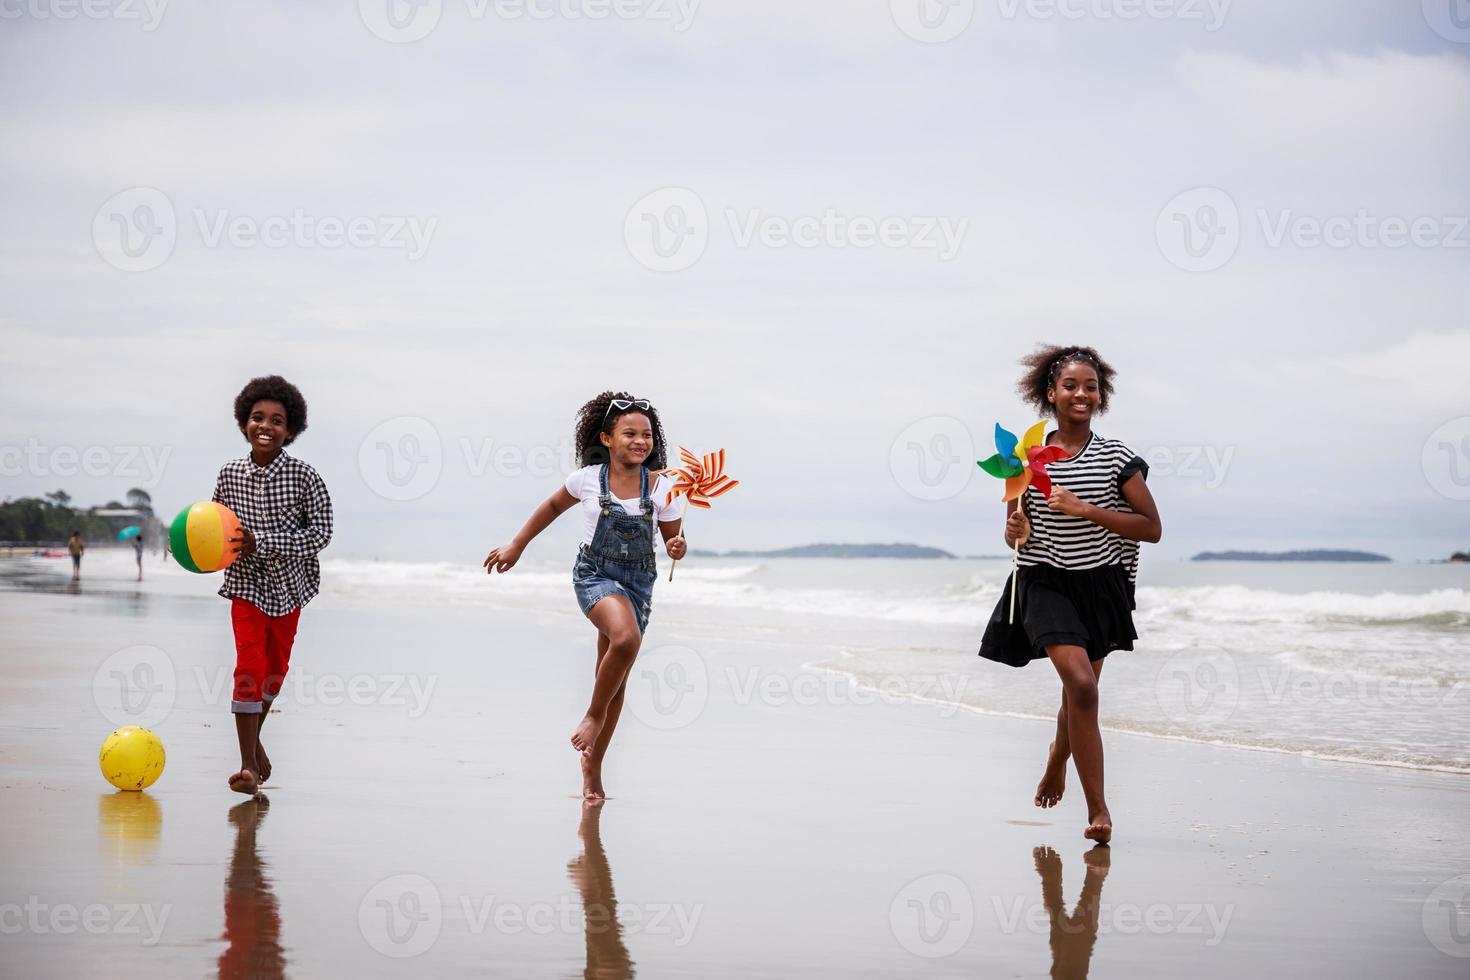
point(763, 821)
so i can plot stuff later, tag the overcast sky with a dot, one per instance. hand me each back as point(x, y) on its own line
point(819, 234)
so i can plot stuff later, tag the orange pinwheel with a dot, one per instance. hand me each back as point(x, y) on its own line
point(698, 481)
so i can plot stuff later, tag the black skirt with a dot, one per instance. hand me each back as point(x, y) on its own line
point(1090, 608)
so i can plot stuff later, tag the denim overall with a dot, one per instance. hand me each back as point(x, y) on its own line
point(620, 559)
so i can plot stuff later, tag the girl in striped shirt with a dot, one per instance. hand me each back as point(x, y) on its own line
point(1079, 563)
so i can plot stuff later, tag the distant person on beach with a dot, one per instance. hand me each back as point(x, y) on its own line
point(285, 520)
point(620, 446)
point(1079, 565)
point(138, 554)
point(76, 547)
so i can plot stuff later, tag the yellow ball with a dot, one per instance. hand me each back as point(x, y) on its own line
point(131, 758)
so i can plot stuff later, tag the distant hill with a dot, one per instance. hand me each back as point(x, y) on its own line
point(1311, 555)
point(835, 551)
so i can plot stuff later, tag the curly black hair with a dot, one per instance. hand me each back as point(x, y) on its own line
point(597, 417)
point(273, 388)
point(1043, 366)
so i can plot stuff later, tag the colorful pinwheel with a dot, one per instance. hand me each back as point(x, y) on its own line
point(698, 481)
point(1021, 465)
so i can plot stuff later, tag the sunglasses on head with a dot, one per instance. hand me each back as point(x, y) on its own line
point(622, 404)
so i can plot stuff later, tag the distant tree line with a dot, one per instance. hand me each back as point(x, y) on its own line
point(52, 518)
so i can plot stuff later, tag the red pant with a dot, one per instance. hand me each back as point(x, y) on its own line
point(262, 655)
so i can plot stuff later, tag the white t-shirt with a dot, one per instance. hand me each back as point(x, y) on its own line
point(585, 484)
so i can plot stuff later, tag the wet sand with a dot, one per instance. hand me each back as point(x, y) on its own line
point(424, 815)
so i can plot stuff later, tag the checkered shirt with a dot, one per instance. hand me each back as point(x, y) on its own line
point(287, 508)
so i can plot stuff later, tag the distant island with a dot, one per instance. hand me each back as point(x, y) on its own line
point(1311, 555)
point(834, 551)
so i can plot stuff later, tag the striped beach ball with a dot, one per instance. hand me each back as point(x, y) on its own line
point(200, 536)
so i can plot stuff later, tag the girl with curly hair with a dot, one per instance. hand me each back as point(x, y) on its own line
point(1079, 564)
point(620, 447)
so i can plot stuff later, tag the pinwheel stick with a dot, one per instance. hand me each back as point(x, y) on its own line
point(1016, 564)
point(675, 562)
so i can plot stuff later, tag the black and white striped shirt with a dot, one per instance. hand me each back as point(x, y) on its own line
point(1096, 475)
point(286, 506)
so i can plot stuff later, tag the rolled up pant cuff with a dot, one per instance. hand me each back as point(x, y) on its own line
point(247, 707)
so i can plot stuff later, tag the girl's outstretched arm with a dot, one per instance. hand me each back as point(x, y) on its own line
point(673, 532)
point(504, 558)
point(1141, 525)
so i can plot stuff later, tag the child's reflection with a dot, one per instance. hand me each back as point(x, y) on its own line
point(252, 914)
point(607, 957)
point(1072, 936)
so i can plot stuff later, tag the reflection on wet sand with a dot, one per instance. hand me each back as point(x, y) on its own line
point(1072, 936)
point(252, 914)
point(128, 826)
point(607, 957)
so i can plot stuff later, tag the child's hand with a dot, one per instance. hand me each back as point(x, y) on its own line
point(245, 543)
point(676, 547)
point(1018, 529)
point(1066, 501)
point(502, 559)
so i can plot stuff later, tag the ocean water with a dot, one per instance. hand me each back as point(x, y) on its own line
point(1359, 663)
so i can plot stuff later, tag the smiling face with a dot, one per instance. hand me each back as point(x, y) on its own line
point(265, 430)
point(1074, 395)
point(631, 439)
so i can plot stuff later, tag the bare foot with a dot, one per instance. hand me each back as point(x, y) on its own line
point(1099, 859)
point(262, 762)
point(1101, 827)
point(586, 734)
point(1053, 780)
point(592, 780)
point(244, 782)
point(1047, 860)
